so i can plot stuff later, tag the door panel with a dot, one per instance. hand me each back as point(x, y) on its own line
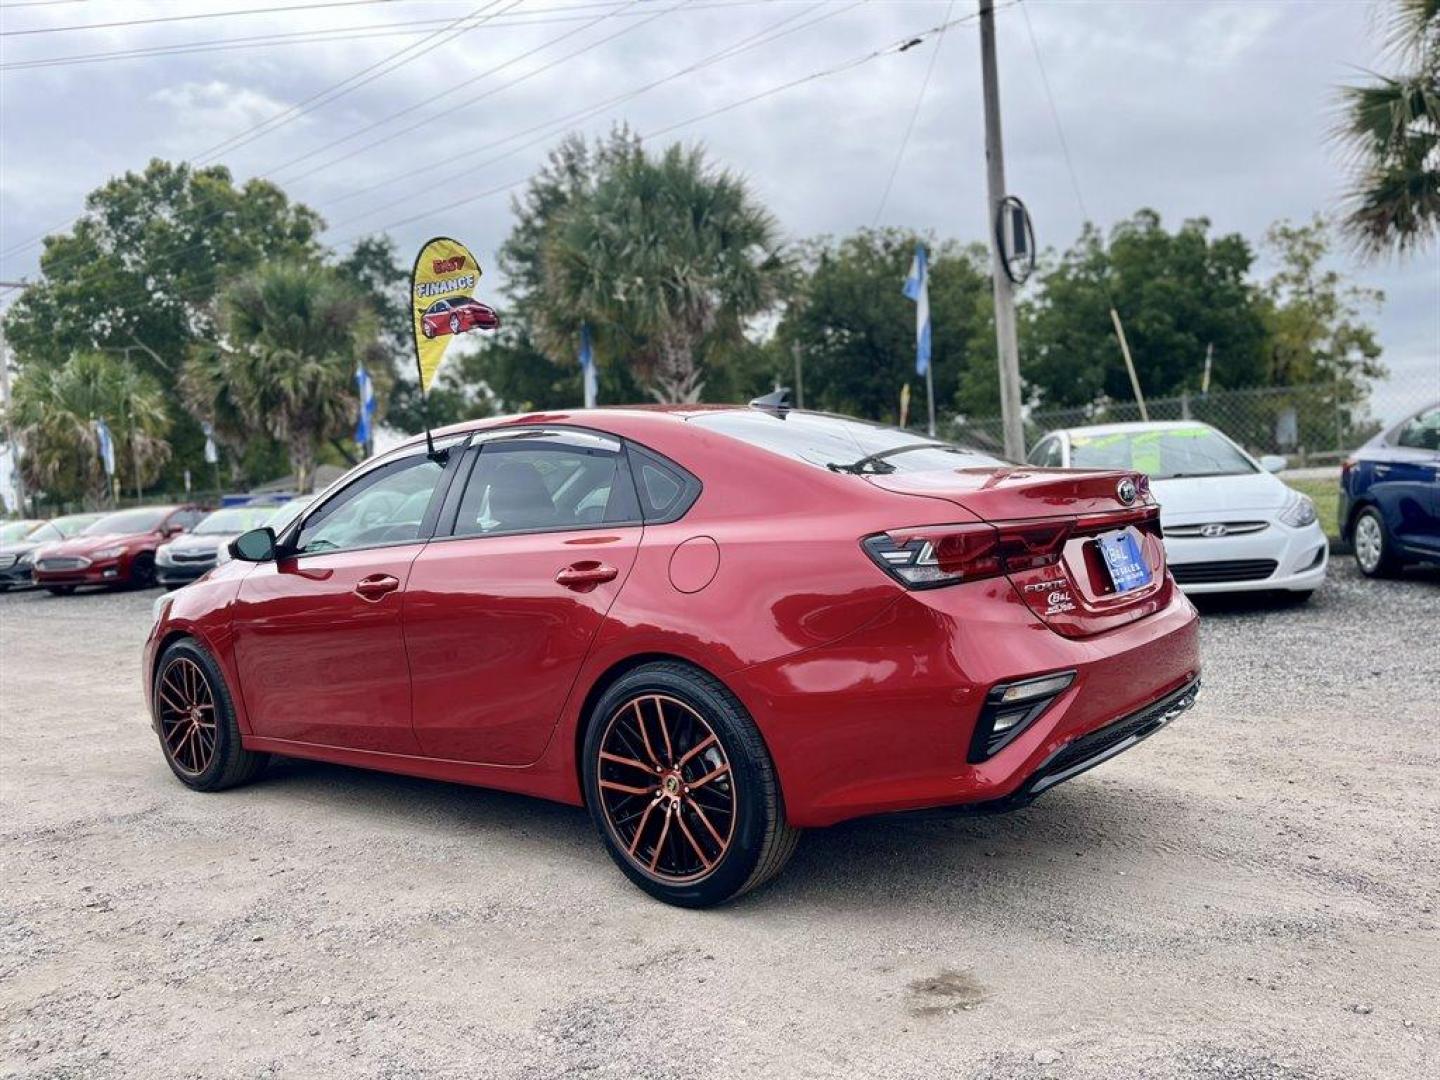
point(495, 641)
point(320, 650)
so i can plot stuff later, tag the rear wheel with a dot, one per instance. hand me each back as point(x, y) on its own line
point(196, 718)
point(682, 789)
point(1374, 550)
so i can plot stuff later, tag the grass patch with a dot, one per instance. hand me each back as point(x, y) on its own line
point(1326, 494)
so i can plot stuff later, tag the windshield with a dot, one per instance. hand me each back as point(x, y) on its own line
point(146, 519)
point(234, 520)
point(839, 443)
point(284, 515)
point(73, 523)
point(1162, 454)
point(17, 530)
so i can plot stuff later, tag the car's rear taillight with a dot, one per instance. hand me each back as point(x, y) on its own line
point(1345, 467)
point(933, 556)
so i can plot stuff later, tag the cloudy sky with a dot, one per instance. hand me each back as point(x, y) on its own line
point(408, 115)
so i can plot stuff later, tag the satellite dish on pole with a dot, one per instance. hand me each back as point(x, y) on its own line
point(1015, 238)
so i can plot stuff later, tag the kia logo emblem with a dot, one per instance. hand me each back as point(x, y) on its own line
point(1126, 491)
point(1214, 530)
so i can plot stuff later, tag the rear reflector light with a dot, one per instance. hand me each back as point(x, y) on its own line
point(1010, 708)
point(933, 556)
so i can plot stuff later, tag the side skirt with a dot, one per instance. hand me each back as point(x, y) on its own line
point(538, 779)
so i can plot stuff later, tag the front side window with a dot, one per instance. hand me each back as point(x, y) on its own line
point(1421, 432)
point(526, 486)
point(385, 506)
point(437, 307)
point(1160, 453)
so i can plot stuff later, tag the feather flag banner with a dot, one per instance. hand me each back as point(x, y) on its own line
point(443, 304)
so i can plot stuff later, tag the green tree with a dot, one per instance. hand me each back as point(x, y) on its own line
point(856, 329)
point(1179, 294)
point(1390, 132)
point(665, 257)
point(283, 363)
point(139, 272)
point(54, 411)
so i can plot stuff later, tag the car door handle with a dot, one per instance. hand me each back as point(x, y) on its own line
point(586, 575)
point(377, 585)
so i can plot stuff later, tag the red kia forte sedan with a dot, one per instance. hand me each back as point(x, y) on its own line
point(457, 316)
point(713, 627)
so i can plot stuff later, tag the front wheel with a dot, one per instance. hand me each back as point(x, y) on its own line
point(196, 719)
point(682, 789)
point(1374, 550)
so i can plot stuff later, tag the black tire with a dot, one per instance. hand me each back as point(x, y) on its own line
point(60, 590)
point(229, 764)
point(427, 331)
point(1374, 548)
point(142, 572)
point(760, 842)
point(454, 324)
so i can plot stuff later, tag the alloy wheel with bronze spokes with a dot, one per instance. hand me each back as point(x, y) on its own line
point(667, 788)
point(186, 706)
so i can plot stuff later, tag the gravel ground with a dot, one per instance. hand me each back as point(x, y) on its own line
point(1252, 893)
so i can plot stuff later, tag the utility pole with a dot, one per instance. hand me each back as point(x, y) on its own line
point(1005, 337)
point(11, 447)
point(799, 379)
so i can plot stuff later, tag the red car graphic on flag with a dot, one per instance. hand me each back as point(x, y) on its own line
point(457, 317)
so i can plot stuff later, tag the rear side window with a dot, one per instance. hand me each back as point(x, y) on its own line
point(1421, 432)
point(527, 486)
point(666, 491)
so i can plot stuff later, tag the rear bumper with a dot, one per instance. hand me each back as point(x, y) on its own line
point(882, 720)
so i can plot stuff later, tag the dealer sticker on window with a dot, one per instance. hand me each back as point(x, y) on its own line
point(1123, 558)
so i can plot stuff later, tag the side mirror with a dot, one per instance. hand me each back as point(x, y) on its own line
point(1274, 463)
point(257, 545)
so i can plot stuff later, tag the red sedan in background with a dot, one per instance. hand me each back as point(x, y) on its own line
point(457, 316)
point(711, 626)
point(119, 549)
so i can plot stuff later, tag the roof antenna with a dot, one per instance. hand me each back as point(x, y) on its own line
point(778, 402)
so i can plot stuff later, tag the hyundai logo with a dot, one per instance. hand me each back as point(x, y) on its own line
point(1126, 491)
point(1213, 530)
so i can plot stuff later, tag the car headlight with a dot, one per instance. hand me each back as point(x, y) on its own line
point(26, 559)
point(1298, 511)
point(107, 553)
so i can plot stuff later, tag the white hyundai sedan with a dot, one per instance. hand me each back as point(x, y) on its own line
point(1230, 525)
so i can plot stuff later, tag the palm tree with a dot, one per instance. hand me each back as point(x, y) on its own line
point(1390, 129)
point(55, 410)
point(666, 257)
point(283, 366)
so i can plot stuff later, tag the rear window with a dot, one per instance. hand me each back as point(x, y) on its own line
point(1161, 454)
point(837, 442)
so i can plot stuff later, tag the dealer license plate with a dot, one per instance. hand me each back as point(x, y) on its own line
point(1124, 560)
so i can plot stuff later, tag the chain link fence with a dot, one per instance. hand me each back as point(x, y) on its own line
point(1311, 425)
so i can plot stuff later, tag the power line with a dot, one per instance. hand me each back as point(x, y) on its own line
point(1054, 112)
point(914, 115)
point(836, 69)
point(410, 28)
point(300, 108)
point(367, 74)
point(461, 85)
point(186, 18)
point(550, 127)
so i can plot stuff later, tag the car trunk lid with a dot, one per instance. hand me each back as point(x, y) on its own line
point(1054, 519)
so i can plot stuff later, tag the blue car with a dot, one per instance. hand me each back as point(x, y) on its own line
point(1390, 496)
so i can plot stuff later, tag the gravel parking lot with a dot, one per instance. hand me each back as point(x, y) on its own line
point(1252, 893)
